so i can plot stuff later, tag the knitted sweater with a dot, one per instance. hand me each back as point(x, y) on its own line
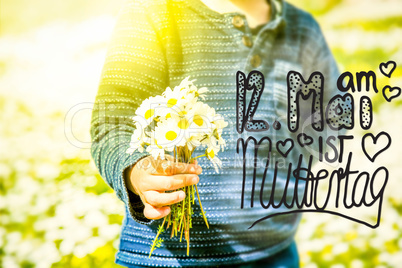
point(157, 44)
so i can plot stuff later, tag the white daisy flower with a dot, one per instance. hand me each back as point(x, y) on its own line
point(173, 103)
point(217, 143)
point(194, 140)
point(211, 155)
point(219, 122)
point(165, 112)
point(189, 86)
point(201, 93)
point(186, 85)
point(200, 117)
point(174, 97)
point(148, 106)
point(177, 119)
point(168, 134)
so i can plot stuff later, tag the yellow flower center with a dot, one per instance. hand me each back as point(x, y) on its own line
point(183, 123)
point(149, 113)
point(198, 120)
point(171, 102)
point(211, 154)
point(170, 135)
point(168, 116)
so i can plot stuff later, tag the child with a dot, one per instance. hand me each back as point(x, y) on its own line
point(157, 44)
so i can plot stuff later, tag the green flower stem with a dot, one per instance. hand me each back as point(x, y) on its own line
point(180, 217)
point(154, 244)
point(192, 192)
point(181, 232)
point(191, 159)
point(188, 235)
point(202, 210)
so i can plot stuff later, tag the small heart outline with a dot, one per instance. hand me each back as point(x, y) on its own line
point(390, 90)
point(305, 137)
point(283, 144)
point(375, 139)
point(385, 65)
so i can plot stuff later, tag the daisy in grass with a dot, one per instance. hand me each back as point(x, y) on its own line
point(176, 123)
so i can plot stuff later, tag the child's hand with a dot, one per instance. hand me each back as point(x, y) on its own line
point(150, 179)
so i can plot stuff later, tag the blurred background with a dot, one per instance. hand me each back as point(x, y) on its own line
point(56, 211)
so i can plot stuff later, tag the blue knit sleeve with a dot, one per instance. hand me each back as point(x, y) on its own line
point(134, 69)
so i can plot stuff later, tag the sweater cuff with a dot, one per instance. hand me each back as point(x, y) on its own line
point(132, 200)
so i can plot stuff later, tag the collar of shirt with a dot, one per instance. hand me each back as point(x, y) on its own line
point(276, 23)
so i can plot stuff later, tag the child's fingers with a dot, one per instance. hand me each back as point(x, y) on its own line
point(183, 168)
point(169, 183)
point(154, 213)
point(171, 167)
point(157, 199)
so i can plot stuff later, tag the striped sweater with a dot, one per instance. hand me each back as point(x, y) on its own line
point(157, 44)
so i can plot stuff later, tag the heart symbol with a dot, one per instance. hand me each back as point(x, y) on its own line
point(288, 143)
point(303, 139)
point(374, 141)
point(388, 89)
point(384, 68)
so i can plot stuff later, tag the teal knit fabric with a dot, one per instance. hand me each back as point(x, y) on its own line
point(157, 44)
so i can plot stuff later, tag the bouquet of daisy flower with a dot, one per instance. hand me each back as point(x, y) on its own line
point(176, 123)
